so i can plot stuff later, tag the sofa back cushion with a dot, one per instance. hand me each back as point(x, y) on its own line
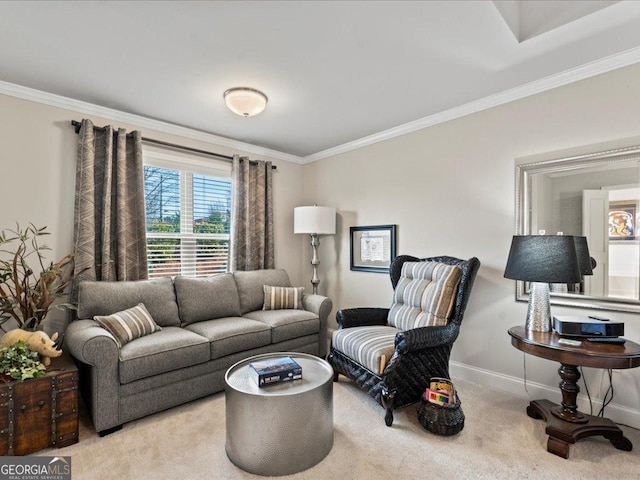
point(424, 295)
point(250, 286)
point(206, 298)
point(105, 298)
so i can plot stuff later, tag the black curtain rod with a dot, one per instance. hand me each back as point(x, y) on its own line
point(77, 125)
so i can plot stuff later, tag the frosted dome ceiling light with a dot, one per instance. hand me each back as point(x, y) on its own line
point(245, 101)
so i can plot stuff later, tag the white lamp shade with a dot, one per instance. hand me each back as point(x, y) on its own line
point(245, 101)
point(320, 220)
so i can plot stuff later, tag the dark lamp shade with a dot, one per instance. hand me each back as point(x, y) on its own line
point(544, 259)
point(584, 257)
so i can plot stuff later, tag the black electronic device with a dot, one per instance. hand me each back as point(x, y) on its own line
point(615, 340)
point(582, 326)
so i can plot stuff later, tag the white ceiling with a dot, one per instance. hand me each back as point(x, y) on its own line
point(336, 73)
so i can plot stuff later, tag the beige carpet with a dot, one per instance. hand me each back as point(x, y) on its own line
point(499, 441)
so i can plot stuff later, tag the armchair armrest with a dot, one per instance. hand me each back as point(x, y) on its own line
point(361, 317)
point(425, 337)
point(321, 306)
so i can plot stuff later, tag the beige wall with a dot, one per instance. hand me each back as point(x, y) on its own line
point(450, 190)
point(37, 172)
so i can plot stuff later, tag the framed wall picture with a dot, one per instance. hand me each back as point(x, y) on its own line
point(622, 220)
point(373, 248)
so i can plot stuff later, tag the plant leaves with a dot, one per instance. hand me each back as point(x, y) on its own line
point(26, 295)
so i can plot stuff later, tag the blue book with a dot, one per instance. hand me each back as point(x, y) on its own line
point(275, 370)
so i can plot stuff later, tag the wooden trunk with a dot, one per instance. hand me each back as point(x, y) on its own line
point(40, 412)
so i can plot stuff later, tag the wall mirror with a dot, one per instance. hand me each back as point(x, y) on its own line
point(596, 195)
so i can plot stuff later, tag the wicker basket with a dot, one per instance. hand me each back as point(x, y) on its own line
point(441, 420)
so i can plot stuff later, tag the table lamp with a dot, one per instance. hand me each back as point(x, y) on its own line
point(584, 257)
point(584, 263)
point(314, 221)
point(541, 260)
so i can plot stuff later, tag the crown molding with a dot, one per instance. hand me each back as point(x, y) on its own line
point(598, 67)
point(86, 108)
point(613, 62)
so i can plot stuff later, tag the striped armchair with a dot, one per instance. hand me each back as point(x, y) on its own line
point(392, 353)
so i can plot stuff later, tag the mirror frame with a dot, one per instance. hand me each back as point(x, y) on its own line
point(524, 171)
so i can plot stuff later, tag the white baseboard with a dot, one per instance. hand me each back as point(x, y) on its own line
point(514, 385)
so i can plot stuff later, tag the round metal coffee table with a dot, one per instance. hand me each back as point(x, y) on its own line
point(279, 429)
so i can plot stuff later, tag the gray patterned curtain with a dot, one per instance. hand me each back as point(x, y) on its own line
point(252, 215)
point(109, 223)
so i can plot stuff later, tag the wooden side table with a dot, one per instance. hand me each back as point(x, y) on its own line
point(565, 424)
point(40, 412)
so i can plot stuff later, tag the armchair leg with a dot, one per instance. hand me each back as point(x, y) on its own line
point(388, 417)
point(329, 359)
point(387, 402)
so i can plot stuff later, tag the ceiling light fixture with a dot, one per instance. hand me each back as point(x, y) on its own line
point(245, 101)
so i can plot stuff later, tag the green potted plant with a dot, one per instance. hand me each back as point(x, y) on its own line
point(27, 295)
point(17, 362)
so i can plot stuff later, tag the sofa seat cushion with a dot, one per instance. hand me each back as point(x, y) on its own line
point(204, 298)
point(171, 348)
point(287, 324)
point(372, 347)
point(232, 335)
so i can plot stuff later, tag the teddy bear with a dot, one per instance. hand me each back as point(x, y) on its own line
point(38, 342)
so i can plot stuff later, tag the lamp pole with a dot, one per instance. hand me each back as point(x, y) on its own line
point(314, 221)
point(315, 242)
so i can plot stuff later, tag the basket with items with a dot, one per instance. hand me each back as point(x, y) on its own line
point(439, 411)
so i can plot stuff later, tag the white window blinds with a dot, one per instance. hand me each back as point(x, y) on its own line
point(188, 209)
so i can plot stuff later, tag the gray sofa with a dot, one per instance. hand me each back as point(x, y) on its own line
point(208, 324)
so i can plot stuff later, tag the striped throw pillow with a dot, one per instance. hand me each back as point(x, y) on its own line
point(129, 324)
point(424, 295)
point(279, 298)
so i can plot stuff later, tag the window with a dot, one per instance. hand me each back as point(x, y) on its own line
point(188, 218)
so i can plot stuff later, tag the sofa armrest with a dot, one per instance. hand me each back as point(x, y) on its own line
point(361, 317)
point(92, 345)
point(321, 306)
point(425, 337)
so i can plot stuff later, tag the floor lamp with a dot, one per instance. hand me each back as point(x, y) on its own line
point(314, 221)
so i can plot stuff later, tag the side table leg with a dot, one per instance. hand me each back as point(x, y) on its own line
point(568, 411)
point(563, 433)
point(619, 441)
point(558, 447)
point(533, 412)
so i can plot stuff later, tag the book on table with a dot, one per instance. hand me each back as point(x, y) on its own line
point(275, 370)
